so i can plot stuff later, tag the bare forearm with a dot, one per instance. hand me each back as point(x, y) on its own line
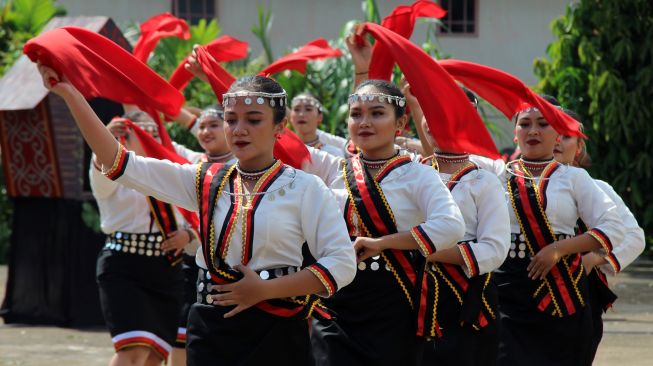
point(184, 118)
point(359, 77)
point(418, 115)
point(449, 255)
point(401, 241)
point(578, 244)
point(97, 136)
point(297, 284)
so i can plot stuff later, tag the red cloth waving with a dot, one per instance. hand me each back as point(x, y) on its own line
point(98, 67)
point(153, 149)
point(401, 21)
point(453, 121)
point(157, 27)
point(508, 94)
point(219, 78)
point(290, 149)
point(314, 50)
point(223, 49)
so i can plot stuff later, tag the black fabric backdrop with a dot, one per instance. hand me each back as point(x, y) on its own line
point(52, 256)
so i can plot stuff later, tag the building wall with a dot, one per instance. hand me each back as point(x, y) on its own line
point(511, 33)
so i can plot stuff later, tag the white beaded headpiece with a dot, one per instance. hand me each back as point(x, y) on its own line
point(212, 113)
point(305, 99)
point(381, 97)
point(249, 97)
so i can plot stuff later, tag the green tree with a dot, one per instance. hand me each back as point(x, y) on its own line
point(601, 66)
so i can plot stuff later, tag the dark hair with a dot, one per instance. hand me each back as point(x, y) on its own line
point(573, 115)
point(550, 99)
point(264, 85)
point(138, 116)
point(583, 160)
point(386, 88)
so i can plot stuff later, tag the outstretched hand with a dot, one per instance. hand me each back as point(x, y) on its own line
point(247, 292)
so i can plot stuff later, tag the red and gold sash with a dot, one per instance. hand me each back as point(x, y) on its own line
point(211, 180)
point(368, 204)
point(558, 294)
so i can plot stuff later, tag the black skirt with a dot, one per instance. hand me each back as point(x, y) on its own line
point(190, 273)
point(462, 344)
point(140, 298)
point(252, 337)
point(374, 324)
point(531, 337)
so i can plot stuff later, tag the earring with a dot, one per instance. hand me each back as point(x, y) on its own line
point(397, 133)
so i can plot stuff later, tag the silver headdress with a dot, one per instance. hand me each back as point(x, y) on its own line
point(381, 97)
point(306, 99)
point(211, 113)
point(249, 97)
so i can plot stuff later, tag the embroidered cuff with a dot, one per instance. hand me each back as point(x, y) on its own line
point(426, 246)
point(119, 164)
point(471, 265)
point(192, 123)
point(613, 262)
point(603, 239)
point(325, 277)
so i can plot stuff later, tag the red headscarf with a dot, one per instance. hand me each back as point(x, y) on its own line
point(401, 21)
point(223, 49)
point(314, 50)
point(508, 94)
point(157, 27)
point(98, 67)
point(453, 121)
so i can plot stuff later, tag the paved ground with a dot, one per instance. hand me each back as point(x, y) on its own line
point(628, 337)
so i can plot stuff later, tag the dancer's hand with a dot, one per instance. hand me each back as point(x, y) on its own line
point(193, 66)
point(544, 260)
point(591, 260)
point(361, 52)
point(176, 241)
point(367, 247)
point(118, 127)
point(59, 85)
point(247, 292)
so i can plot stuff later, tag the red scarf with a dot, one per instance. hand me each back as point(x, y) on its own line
point(401, 21)
point(98, 67)
point(157, 27)
point(223, 49)
point(508, 94)
point(314, 50)
point(453, 121)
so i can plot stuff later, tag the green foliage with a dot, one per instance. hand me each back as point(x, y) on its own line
point(601, 66)
point(262, 30)
point(21, 20)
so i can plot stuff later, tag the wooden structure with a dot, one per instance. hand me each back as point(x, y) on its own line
point(45, 161)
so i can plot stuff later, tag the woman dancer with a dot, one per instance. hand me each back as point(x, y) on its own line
point(263, 209)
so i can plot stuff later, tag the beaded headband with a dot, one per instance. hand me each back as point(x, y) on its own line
point(303, 99)
point(381, 97)
point(211, 113)
point(260, 98)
